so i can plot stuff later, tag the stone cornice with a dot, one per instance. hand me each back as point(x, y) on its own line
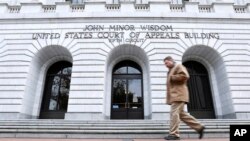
point(152, 9)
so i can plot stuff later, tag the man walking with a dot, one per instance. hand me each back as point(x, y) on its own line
point(177, 97)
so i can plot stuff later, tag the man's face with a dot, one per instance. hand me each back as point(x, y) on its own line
point(169, 64)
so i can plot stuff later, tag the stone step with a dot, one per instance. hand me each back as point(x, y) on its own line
point(112, 122)
point(108, 128)
point(83, 131)
point(103, 128)
point(108, 124)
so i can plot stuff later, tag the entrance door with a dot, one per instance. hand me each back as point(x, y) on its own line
point(201, 103)
point(56, 91)
point(127, 96)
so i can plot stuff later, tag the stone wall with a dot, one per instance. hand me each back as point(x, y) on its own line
point(25, 59)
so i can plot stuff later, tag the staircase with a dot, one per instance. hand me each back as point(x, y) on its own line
point(218, 128)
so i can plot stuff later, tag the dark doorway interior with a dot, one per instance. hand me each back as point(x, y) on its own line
point(201, 102)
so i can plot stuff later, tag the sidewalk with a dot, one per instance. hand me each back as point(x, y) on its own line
point(25, 139)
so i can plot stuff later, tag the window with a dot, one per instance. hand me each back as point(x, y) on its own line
point(127, 67)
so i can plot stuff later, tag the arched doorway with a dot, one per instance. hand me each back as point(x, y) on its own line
point(201, 102)
point(127, 91)
point(56, 91)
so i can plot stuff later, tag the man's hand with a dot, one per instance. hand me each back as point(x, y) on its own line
point(179, 78)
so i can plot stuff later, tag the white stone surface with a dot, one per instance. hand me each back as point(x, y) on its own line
point(24, 62)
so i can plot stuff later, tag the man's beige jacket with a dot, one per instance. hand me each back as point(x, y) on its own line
point(177, 89)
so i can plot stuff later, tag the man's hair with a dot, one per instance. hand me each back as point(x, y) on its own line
point(169, 58)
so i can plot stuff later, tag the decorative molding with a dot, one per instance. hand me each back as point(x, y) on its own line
point(113, 7)
point(49, 8)
point(240, 9)
point(14, 9)
point(77, 8)
point(177, 8)
point(206, 9)
point(102, 9)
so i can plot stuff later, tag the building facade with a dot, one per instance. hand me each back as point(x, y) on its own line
point(103, 59)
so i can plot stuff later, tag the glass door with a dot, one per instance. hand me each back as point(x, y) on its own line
point(134, 99)
point(119, 99)
point(56, 91)
point(127, 96)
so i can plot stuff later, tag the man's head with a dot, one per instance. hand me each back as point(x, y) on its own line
point(169, 62)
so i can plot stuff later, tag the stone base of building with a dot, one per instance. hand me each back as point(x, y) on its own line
point(242, 115)
point(9, 116)
point(160, 116)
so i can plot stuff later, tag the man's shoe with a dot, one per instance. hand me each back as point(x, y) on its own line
point(201, 132)
point(171, 137)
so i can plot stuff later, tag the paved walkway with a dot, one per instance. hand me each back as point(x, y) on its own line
point(25, 139)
